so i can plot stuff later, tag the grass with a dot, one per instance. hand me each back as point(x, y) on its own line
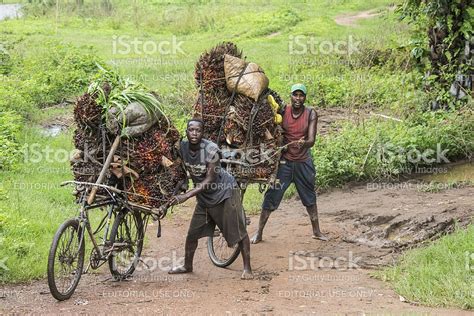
point(32, 205)
point(196, 27)
point(441, 274)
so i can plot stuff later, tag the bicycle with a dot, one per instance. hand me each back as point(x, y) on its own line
point(121, 248)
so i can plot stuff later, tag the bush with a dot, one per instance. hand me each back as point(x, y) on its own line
point(33, 77)
point(44, 75)
point(9, 148)
point(384, 149)
point(55, 71)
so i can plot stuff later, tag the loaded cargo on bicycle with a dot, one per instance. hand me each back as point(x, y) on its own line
point(127, 159)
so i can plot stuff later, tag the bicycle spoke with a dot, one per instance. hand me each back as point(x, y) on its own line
point(127, 245)
point(66, 259)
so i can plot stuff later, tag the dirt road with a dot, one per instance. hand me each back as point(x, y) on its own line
point(366, 224)
point(352, 19)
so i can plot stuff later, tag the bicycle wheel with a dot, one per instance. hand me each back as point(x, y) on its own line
point(220, 253)
point(126, 239)
point(66, 260)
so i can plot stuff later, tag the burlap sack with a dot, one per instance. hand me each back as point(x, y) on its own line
point(253, 81)
point(137, 120)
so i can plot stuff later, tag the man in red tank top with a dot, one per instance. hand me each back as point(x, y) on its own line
point(299, 127)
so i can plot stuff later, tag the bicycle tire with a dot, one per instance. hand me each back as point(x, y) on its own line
point(216, 259)
point(122, 230)
point(65, 258)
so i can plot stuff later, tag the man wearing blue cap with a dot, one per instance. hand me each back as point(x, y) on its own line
point(299, 131)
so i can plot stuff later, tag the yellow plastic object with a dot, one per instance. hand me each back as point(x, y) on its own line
point(278, 119)
point(273, 103)
point(275, 107)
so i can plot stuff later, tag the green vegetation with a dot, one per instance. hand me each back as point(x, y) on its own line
point(51, 55)
point(443, 29)
point(36, 74)
point(382, 148)
point(257, 30)
point(440, 274)
point(32, 204)
point(9, 146)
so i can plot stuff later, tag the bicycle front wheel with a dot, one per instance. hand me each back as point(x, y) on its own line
point(66, 260)
point(126, 239)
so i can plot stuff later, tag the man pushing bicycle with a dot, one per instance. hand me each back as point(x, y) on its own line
point(218, 199)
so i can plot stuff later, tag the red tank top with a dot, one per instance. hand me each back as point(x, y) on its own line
point(295, 129)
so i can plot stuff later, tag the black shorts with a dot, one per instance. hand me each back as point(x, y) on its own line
point(227, 215)
point(302, 174)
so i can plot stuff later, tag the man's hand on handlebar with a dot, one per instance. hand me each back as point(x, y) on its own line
point(180, 198)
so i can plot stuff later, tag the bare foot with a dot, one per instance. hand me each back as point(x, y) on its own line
point(320, 237)
point(180, 269)
point(256, 238)
point(247, 275)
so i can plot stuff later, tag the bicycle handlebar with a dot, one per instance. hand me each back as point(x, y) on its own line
point(160, 212)
point(92, 185)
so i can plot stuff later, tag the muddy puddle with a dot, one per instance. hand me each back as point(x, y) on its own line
point(456, 173)
point(399, 231)
point(53, 130)
point(399, 216)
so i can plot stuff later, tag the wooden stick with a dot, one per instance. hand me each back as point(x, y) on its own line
point(387, 117)
point(115, 144)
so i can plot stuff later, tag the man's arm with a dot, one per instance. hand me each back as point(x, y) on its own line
point(308, 142)
point(210, 178)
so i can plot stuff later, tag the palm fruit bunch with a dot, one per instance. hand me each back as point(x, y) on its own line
point(153, 155)
point(238, 122)
point(151, 158)
point(88, 141)
point(213, 94)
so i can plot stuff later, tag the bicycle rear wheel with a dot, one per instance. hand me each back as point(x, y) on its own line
point(219, 252)
point(126, 239)
point(66, 260)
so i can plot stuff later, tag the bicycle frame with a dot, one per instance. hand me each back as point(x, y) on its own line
point(84, 223)
point(115, 200)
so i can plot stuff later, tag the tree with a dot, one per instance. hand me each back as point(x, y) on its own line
point(444, 47)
